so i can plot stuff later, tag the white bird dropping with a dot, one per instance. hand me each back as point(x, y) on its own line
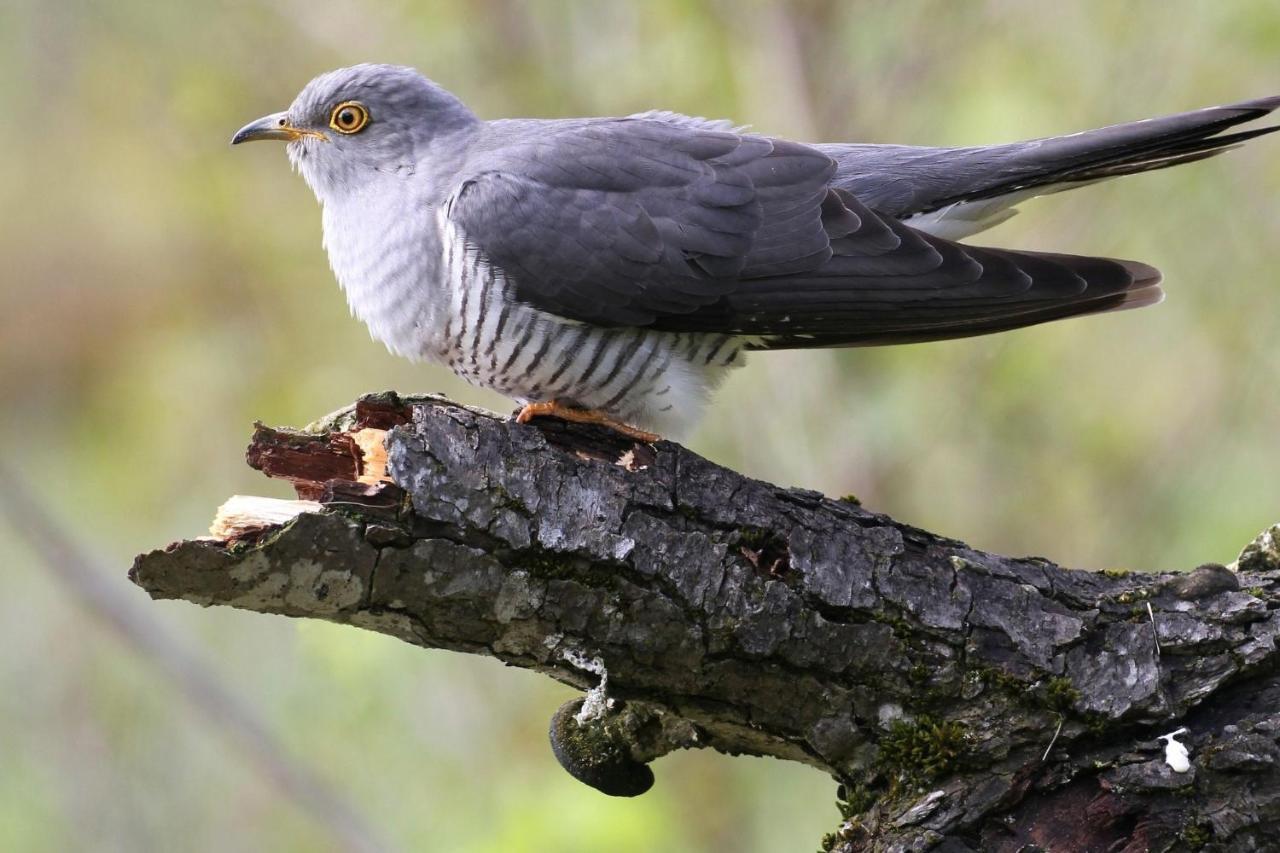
point(1175, 753)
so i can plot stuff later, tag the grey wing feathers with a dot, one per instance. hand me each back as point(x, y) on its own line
point(922, 288)
point(904, 180)
point(647, 223)
point(621, 222)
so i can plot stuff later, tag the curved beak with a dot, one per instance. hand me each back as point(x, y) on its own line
point(274, 126)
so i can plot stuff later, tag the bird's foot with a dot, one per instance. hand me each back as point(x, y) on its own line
point(555, 409)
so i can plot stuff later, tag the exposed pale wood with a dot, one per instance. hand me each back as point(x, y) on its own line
point(242, 515)
point(373, 454)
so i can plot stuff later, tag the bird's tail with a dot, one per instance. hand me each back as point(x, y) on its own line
point(957, 192)
point(1122, 149)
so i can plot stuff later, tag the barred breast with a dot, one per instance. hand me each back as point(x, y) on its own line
point(657, 380)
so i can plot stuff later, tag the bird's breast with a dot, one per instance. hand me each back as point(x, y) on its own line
point(427, 292)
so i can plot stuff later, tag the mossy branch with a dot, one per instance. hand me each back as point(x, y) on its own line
point(964, 700)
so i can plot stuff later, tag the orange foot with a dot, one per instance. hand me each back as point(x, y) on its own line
point(553, 409)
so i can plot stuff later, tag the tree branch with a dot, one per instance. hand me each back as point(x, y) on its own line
point(964, 700)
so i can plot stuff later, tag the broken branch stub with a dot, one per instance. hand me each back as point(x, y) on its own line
point(959, 696)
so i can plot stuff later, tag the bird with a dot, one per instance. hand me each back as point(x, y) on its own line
point(613, 270)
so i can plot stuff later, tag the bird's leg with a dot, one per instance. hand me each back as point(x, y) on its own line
point(555, 409)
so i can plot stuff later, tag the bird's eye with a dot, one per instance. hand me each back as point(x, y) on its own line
point(349, 117)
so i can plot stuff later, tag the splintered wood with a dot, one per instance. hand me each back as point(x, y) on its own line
point(341, 466)
point(243, 515)
point(373, 454)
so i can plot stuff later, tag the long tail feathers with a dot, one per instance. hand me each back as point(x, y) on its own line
point(956, 192)
point(1123, 149)
point(951, 193)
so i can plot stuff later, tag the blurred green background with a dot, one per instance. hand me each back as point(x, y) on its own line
point(160, 291)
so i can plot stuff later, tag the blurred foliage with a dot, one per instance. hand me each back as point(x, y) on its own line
point(160, 291)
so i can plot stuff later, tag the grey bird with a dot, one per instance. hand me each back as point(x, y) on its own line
point(614, 269)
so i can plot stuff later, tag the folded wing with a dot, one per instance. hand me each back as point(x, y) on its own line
point(685, 228)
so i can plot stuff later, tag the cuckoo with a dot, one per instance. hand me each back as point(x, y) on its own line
point(613, 270)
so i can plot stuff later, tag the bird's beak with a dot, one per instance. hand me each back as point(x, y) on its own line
point(274, 126)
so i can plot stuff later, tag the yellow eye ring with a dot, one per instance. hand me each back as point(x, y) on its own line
point(349, 117)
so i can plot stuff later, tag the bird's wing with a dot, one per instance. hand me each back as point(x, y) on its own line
point(644, 222)
point(626, 222)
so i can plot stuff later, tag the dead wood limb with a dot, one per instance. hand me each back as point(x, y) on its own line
point(964, 700)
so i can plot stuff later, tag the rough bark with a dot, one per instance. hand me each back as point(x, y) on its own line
point(963, 700)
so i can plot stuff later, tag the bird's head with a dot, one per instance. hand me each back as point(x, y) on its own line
point(349, 126)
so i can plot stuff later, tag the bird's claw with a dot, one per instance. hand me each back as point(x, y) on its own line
point(554, 409)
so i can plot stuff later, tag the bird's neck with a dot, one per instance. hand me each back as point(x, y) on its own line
point(382, 244)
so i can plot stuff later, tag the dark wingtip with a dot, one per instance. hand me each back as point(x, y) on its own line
point(1144, 275)
point(1144, 291)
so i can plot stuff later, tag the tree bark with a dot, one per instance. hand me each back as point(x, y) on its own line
point(962, 700)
